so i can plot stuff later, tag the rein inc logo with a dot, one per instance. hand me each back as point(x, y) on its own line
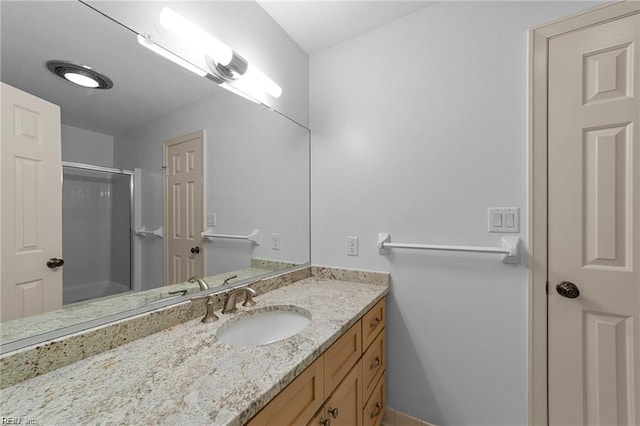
point(17, 421)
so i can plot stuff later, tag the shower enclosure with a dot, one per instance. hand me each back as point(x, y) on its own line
point(96, 231)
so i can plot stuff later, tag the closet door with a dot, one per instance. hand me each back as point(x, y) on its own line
point(594, 225)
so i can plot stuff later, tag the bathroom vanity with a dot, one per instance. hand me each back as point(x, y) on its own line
point(345, 385)
point(333, 369)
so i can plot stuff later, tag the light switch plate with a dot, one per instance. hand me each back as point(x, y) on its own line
point(504, 219)
point(211, 219)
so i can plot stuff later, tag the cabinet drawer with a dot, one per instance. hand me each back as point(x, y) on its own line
point(374, 408)
point(373, 364)
point(297, 403)
point(372, 323)
point(340, 357)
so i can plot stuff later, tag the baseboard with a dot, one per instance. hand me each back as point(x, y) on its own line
point(396, 418)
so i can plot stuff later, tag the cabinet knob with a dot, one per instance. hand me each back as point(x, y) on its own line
point(334, 412)
point(325, 422)
point(374, 322)
point(375, 413)
point(375, 364)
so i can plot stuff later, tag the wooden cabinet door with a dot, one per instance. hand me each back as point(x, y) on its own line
point(341, 356)
point(298, 402)
point(374, 409)
point(344, 407)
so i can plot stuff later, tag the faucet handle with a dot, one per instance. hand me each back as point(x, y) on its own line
point(209, 316)
point(249, 295)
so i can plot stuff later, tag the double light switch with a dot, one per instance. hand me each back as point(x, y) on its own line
point(504, 219)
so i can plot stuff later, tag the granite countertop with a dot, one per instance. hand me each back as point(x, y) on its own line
point(99, 308)
point(184, 375)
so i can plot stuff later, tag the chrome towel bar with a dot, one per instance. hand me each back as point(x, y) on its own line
point(510, 249)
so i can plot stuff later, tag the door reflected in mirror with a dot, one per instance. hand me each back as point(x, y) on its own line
point(148, 167)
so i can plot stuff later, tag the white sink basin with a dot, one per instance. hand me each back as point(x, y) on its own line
point(264, 326)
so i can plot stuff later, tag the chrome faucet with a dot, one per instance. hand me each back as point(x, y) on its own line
point(230, 300)
point(202, 283)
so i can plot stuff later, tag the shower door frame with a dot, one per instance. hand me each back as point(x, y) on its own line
point(131, 174)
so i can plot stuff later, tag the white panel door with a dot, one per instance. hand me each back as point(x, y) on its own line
point(184, 208)
point(594, 225)
point(31, 205)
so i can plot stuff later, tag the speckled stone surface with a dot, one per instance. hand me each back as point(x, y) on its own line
point(39, 359)
point(11, 331)
point(184, 375)
point(354, 275)
point(271, 265)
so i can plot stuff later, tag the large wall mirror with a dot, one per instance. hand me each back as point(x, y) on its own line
point(148, 167)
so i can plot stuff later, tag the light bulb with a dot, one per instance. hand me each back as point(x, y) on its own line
point(149, 44)
point(195, 36)
point(81, 80)
point(255, 77)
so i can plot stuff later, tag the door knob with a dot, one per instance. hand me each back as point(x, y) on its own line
point(195, 250)
point(54, 263)
point(568, 289)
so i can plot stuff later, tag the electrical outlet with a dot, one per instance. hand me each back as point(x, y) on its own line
point(275, 241)
point(211, 219)
point(352, 246)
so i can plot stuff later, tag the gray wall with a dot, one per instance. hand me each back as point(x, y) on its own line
point(418, 131)
point(85, 146)
point(257, 176)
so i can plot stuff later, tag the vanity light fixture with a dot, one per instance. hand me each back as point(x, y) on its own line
point(80, 75)
point(225, 65)
point(145, 41)
point(197, 37)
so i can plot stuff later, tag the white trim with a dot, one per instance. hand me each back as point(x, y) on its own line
point(537, 404)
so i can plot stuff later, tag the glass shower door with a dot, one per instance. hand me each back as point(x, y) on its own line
point(96, 233)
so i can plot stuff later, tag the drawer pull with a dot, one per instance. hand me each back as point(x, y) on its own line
point(374, 322)
point(376, 363)
point(325, 422)
point(376, 412)
point(334, 412)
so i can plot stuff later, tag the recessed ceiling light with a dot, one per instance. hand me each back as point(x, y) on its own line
point(81, 75)
point(81, 80)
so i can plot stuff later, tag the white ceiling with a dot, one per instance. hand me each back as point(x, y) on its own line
point(315, 24)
